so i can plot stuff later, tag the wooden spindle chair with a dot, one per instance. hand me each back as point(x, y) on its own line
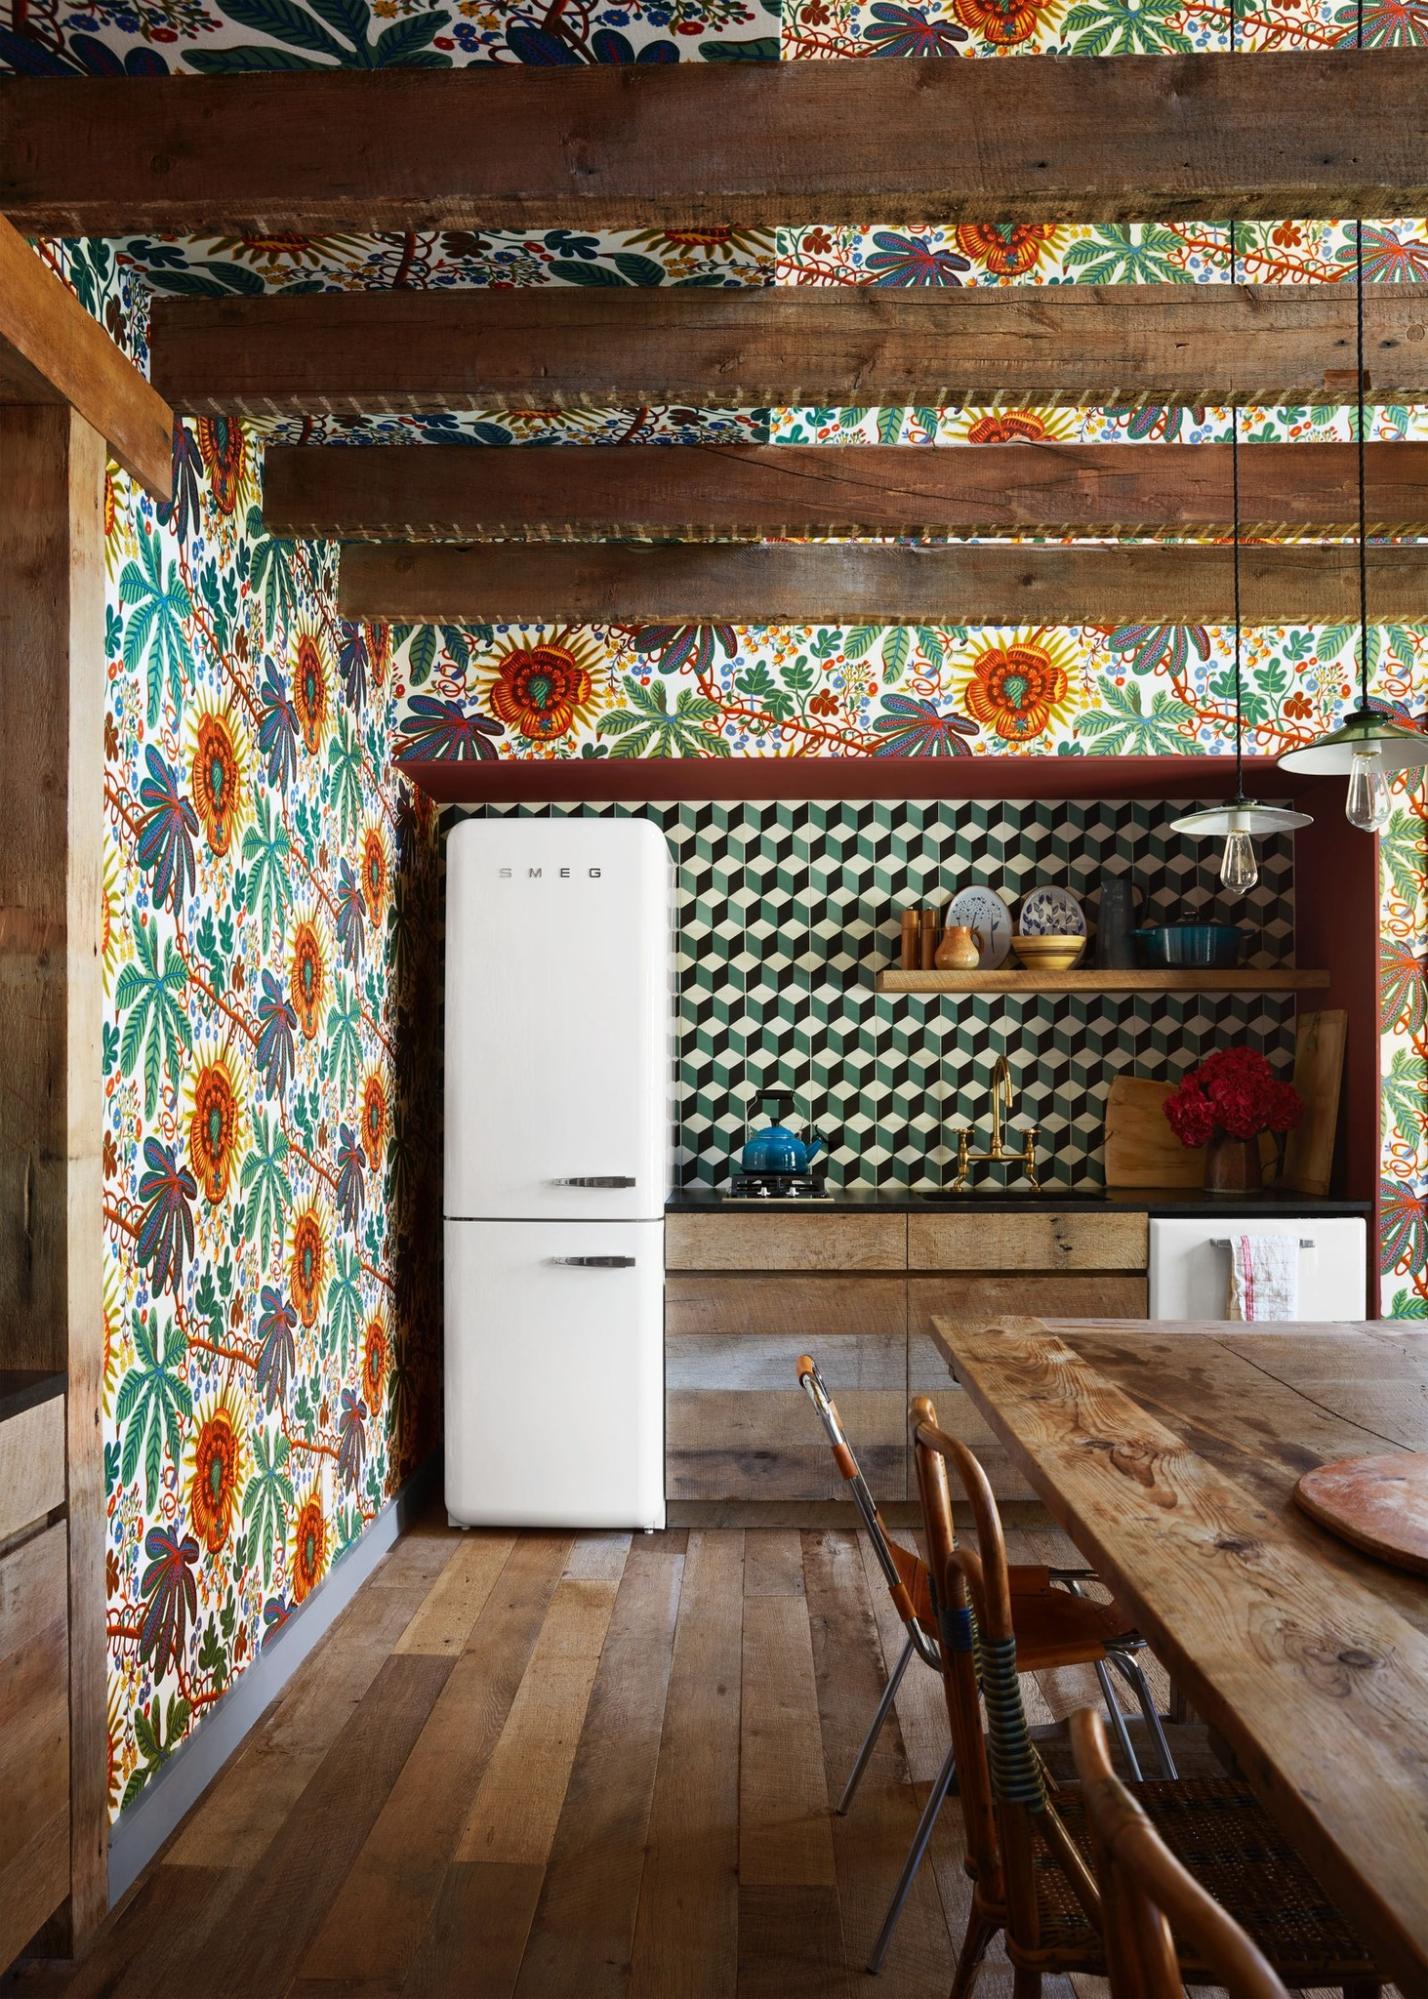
point(1029, 1842)
point(1056, 1626)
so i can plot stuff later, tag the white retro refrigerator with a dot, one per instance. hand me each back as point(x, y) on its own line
point(559, 1068)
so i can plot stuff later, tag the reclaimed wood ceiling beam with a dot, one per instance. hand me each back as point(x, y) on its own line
point(755, 492)
point(1046, 138)
point(564, 346)
point(52, 352)
point(1292, 583)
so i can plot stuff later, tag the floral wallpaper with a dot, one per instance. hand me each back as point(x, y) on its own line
point(824, 28)
point(1403, 1058)
point(272, 1272)
point(138, 37)
point(447, 259)
point(151, 37)
point(1059, 253)
point(553, 693)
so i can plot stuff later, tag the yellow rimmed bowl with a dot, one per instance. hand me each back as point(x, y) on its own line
point(1056, 953)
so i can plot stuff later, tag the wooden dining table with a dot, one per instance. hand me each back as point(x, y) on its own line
point(1169, 1453)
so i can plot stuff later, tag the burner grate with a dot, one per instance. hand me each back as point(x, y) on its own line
point(776, 1187)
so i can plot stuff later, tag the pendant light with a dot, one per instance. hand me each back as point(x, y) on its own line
point(1241, 819)
point(1369, 745)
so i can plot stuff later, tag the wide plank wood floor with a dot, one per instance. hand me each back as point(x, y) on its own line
point(549, 1764)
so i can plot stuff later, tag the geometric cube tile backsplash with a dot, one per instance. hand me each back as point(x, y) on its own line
point(788, 910)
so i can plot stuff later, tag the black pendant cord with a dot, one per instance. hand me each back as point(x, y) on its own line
point(1235, 559)
point(1235, 501)
point(1362, 431)
point(1362, 456)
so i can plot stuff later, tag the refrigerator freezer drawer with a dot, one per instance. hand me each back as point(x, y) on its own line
point(555, 1374)
point(1190, 1268)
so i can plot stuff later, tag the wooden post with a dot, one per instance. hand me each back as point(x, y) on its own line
point(52, 685)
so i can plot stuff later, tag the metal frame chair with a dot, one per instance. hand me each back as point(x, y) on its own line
point(1029, 1841)
point(1092, 1637)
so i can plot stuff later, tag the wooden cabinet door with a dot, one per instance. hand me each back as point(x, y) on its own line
point(1115, 1239)
point(781, 1239)
point(31, 1467)
point(737, 1424)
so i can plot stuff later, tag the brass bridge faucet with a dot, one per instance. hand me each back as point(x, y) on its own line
point(998, 1152)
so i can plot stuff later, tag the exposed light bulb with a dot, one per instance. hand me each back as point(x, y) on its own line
point(1367, 802)
point(1239, 870)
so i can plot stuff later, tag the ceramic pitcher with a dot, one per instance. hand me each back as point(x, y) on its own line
point(958, 951)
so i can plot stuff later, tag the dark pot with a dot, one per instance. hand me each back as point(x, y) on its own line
point(1190, 946)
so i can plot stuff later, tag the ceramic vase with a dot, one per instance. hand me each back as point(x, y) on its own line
point(1232, 1165)
point(1115, 921)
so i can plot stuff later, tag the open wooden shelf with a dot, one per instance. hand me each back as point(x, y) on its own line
point(1286, 980)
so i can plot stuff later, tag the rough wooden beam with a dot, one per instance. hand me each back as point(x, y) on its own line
point(52, 352)
point(347, 352)
point(1295, 583)
point(1047, 138)
point(753, 492)
point(52, 686)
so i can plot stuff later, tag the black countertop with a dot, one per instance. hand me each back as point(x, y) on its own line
point(22, 1387)
point(1191, 1202)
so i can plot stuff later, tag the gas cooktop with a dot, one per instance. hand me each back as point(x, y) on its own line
point(776, 1187)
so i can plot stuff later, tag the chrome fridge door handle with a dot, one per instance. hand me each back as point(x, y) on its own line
point(597, 1180)
point(594, 1262)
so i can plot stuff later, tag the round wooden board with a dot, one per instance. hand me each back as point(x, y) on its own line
point(1380, 1504)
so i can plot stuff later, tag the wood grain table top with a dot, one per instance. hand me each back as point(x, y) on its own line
point(1169, 1451)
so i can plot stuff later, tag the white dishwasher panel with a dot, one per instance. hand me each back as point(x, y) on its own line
point(1190, 1268)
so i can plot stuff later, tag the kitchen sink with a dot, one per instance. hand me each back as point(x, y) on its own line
point(1061, 1196)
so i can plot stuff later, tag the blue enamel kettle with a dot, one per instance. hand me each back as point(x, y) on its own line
point(777, 1149)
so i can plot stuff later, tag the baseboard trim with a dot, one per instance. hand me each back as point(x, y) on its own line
point(152, 1820)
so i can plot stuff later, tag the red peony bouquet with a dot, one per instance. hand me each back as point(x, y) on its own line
point(1233, 1091)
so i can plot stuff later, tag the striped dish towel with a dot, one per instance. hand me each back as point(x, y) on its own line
point(1264, 1277)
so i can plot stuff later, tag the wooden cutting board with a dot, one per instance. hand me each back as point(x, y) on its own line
point(1380, 1504)
point(1319, 1042)
point(1142, 1150)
